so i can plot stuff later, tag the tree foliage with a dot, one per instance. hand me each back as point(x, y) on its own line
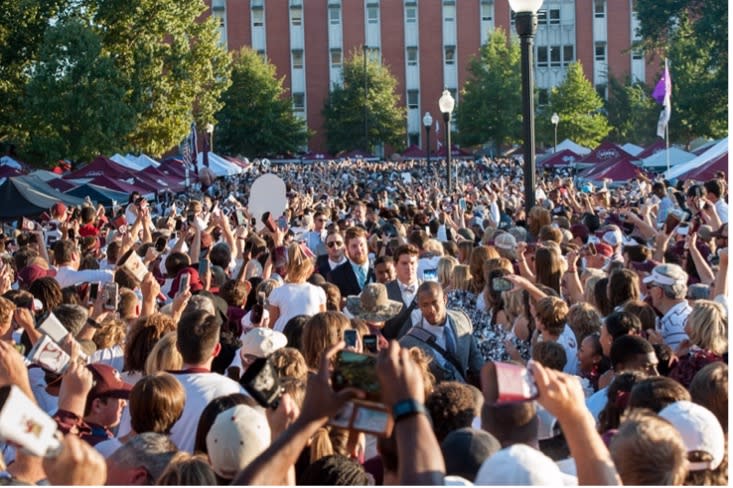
point(693, 35)
point(75, 105)
point(257, 118)
point(344, 108)
point(490, 105)
point(632, 112)
point(580, 109)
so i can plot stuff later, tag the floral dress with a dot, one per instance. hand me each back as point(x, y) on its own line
point(490, 337)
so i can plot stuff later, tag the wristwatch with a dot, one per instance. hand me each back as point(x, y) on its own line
point(408, 408)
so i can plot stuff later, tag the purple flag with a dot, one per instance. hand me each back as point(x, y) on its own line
point(664, 86)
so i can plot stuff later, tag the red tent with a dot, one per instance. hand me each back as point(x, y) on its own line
point(118, 185)
point(652, 149)
point(561, 158)
point(707, 171)
point(414, 152)
point(607, 151)
point(175, 183)
point(456, 152)
point(101, 166)
point(621, 169)
point(61, 184)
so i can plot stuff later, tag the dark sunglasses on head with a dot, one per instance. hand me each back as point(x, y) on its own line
point(335, 243)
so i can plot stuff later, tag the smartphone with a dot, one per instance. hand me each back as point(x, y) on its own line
point(282, 222)
point(263, 383)
point(184, 283)
point(204, 266)
point(179, 224)
point(592, 249)
point(370, 343)
point(93, 292)
point(507, 383)
point(111, 296)
point(462, 203)
point(683, 230)
point(357, 371)
point(350, 337)
point(430, 275)
point(368, 417)
point(501, 284)
point(160, 244)
point(27, 224)
point(268, 221)
point(241, 219)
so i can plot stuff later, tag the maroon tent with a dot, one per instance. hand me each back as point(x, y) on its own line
point(61, 184)
point(606, 151)
point(175, 183)
point(707, 171)
point(651, 149)
point(358, 154)
point(456, 152)
point(8, 171)
point(621, 169)
point(101, 166)
point(238, 162)
point(117, 185)
point(316, 156)
point(414, 152)
point(566, 157)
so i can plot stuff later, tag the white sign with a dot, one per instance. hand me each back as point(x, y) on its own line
point(268, 194)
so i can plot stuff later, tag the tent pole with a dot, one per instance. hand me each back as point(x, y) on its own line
point(666, 137)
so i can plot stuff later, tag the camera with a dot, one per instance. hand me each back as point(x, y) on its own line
point(354, 370)
point(263, 383)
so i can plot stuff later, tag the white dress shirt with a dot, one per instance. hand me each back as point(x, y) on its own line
point(66, 276)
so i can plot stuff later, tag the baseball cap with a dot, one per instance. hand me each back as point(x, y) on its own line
point(261, 342)
point(58, 208)
point(705, 232)
point(107, 382)
point(667, 274)
point(700, 429)
point(604, 249)
point(505, 241)
point(236, 438)
point(31, 273)
point(613, 236)
point(521, 465)
point(465, 450)
point(467, 234)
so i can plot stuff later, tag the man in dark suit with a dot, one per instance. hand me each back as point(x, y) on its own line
point(334, 256)
point(404, 289)
point(355, 273)
point(446, 336)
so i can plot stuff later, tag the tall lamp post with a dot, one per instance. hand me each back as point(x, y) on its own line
point(446, 104)
point(210, 135)
point(427, 121)
point(365, 49)
point(526, 23)
point(555, 119)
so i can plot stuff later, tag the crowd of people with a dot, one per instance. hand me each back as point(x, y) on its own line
point(581, 342)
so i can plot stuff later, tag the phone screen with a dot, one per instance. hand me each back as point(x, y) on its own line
point(370, 343)
point(357, 371)
point(203, 267)
point(160, 244)
point(350, 337)
point(93, 291)
point(501, 284)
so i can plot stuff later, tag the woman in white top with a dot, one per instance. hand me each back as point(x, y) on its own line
point(296, 296)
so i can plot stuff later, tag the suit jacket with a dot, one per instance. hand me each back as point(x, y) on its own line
point(322, 266)
point(397, 326)
point(344, 277)
point(467, 354)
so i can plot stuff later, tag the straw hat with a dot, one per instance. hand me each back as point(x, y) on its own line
point(372, 304)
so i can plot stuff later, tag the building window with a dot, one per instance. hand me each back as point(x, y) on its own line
point(555, 56)
point(258, 17)
point(637, 54)
point(296, 16)
point(542, 17)
point(554, 16)
point(600, 51)
point(543, 96)
point(336, 58)
point(412, 99)
point(372, 14)
point(299, 102)
point(599, 9)
point(601, 90)
point(410, 15)
point(297, 59)
point(262, 54)
point(449, 13)
point(568, 54)
point(411, 56)
point(487, 12)
point(413, 139)
point(542, 56)
point(450, 54)
point(334, 14)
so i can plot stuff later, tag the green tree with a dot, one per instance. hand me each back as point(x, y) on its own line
point(632, 112)
point(693, 35)
point(579, 107)
point(491, 101)
point(257, 118)
point(344, 108)
point(74, 105)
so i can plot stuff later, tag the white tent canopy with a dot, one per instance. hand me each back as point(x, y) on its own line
point(659, 158)
point(45, 175)
point(576, 148)
point(147, 161)
point(632, 149)
point(127, 162)
point(8, 161)
point(218, 165)
point(714, 152)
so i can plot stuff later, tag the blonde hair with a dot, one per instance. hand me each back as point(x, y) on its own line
point(7, 308)
point(584, 319)
point(479, 256)
point(708, 324)
point(322, 331)
point(164, 355)
point(186, 469)
point(461, 279)
point(446, 265)
point(300, 266)
point(540, 217)
point(589, 290)
point(111, 333)
point(497, 263)
point(288, 361)
point(434, 246)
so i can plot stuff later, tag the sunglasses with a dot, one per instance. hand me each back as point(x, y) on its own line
point(335, 243)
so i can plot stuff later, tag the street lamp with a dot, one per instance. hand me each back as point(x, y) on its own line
point(427, 121)
point(446, 104)
point(526, 23)
point(555, 119)
point(210, 134)
point(365, 50)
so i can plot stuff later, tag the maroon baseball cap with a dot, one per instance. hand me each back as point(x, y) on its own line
point(580, 231)
point(31, 273)
point(107, 382)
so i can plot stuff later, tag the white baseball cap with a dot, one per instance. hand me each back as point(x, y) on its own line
point(236, 438)
point(700, 429)
point(522, 465)
point(261, 342)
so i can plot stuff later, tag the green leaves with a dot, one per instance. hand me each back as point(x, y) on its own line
point(257, 118)
point(344, 108)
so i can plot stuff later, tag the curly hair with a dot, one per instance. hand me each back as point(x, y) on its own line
point(452, 407)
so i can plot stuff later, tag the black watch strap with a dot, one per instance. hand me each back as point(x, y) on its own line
point(408, 408)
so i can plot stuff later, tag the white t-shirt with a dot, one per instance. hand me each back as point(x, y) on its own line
point(570, 344)
point(113, 356)
point(295, 299)
point(200, 389)
point(108, 447)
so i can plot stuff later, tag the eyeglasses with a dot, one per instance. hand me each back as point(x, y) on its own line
point(335, 243)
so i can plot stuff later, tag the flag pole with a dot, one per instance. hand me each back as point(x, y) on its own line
point(666, 136)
